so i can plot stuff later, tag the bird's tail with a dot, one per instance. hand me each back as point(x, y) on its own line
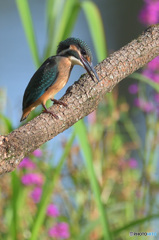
point(24, 115)
point(23, 118)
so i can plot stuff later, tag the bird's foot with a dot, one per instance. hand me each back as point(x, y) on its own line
point(59, 102)
point(53, 114)
point(47, 111)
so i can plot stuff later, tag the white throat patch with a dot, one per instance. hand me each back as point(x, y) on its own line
point(75, 61)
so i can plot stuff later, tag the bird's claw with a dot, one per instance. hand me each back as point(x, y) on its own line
point(53, 114)
point(59, 102)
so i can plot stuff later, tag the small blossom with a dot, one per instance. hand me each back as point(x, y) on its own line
point(148, 107)
point(133, 88)
point(149, 14)
point(92, 117)
point(52, 211)
point(27, 163)
point(60, 230)
point(148, 73)
point(36, 194)
point(154, 64)
point(156, 77)
point(133, 163)
point(144, 105)
point(37, 153)
point(32, 178)
point(156, 97)
point(151, 74)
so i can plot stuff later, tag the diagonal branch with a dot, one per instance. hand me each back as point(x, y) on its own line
point(82, 98)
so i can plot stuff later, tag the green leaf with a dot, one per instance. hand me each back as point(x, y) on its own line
point(24, 12)
point(117, 143)
point(54, 11)
point(14, 202)
point(87, 230)
point(138, 222)
point(48, 188)
point(146, 80)
point(7, 123)
point(61, 20)
point(74, 8)
point(81, 132)
point(17, 203)
point(96, 28)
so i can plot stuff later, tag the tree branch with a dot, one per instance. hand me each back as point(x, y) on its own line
point(82, 98)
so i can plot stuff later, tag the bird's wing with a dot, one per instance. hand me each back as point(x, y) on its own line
point(42, 79)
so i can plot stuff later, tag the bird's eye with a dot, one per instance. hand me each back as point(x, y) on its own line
point(83, 52)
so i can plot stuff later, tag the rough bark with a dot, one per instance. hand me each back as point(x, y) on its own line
point(82, 98)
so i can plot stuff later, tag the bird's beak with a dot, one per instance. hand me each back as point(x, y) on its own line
point(89, 67)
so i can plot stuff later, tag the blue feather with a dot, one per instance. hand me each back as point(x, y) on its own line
point(42, 79)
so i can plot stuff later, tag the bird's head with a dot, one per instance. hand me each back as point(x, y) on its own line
point(78, 53)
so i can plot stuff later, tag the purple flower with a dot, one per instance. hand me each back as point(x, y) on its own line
point(155, 77)
point(149, 14)
point(36, 194)
point(52, 211)
point(144, 105)
point(133, 163)
point(138, 102)
point(151, 74)
point(60, 230)
point(147, 73)
point(32, 178)
point(27, 163)
point(148, 107)
point(37, 153)
point(133, 88)
point(92, 117)
point(156, 97)
point(154, 64)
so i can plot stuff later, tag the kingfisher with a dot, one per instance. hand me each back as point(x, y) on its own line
point(54, 73)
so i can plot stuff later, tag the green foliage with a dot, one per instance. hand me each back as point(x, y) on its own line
point(24, 11)
point(146, 80)
point(6, 124)
point(61, 18)
point(80, 130)
point(101, 193)
point(96, 28)
point(52, 176)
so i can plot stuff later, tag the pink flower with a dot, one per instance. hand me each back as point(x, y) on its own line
point(155, 77)
point(60, 230)
point(32, 178)
point(52, 211)
point(148, 73)
point(133, 163)
point(92, 117)
point(27, 163)
point(156, 97)
point(37, 153)
point(151, 74)
point(148, 107)
point(154, 64)
point(36, 194)
point(133, 88)
point(149, 14)
point(144, 105)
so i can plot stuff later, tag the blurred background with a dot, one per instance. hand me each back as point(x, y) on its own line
point(99, 179)
point(121, 25)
